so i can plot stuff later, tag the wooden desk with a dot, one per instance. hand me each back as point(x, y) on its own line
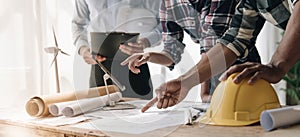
point(22, 128)
point(17, 129)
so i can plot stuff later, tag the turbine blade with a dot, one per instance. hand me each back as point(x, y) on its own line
point(56, 44)
point(50, 49)
point(54, 58)
point(64, 53)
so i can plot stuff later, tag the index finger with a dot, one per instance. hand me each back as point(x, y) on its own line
point(100, 58)
point(149, 104)
point(136, 45)
point(126, 61)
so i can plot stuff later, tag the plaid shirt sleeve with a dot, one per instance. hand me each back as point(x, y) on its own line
point(248, 22)
point(215, 19)
point(172, 33)
point(244, 29)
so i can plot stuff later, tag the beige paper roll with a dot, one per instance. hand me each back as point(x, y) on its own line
point(38, 105)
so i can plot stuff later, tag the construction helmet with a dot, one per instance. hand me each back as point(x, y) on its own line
point(240, 104)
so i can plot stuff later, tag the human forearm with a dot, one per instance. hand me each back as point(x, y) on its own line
point(161, 58)
point(80, 21)
point(288, 53)
point(137, 59)
point(283, 59)
point(79, 36)
point(83, 49)
point(215, 61)
point(154, 37)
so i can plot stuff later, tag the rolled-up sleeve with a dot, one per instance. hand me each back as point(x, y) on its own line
point(248, 21)
point(155, 36)
point(294, 2)
point(172, 34)
point(80, 23)
point(244, 29)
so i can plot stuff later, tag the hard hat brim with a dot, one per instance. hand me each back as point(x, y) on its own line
point(225, 122)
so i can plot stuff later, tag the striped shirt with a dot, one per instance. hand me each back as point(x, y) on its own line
point(248, 21)
point(204, 20)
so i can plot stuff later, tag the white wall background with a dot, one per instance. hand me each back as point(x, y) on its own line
point(25, 29)
point(267, 43)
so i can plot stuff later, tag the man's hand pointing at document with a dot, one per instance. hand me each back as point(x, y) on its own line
point(168, 95)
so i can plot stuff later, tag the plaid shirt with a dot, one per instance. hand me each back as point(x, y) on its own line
point(204, 20)
point(249, 20)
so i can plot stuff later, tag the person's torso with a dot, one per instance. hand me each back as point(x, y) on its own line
point(276, 12)
point(197, 19)
point(123, 15)
point(183, 13)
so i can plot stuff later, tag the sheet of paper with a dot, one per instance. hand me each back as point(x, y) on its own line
point(139, 123)
point(133, 121)
point(14, 114)
point(59, 121)
point(19, 115)
point(280, 117)
point(126, 121)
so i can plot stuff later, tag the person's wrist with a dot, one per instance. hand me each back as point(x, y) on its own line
point(147, 56)
point(83, 49)
point(280, 68)
point(185, 82)
point(144, 42)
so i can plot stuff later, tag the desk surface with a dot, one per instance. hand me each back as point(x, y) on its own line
point(15, 129)
point(10, 127)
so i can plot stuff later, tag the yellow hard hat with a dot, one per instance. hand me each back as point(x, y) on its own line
point(240, 104)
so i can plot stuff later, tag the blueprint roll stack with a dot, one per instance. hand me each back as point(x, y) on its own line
point(38, 106)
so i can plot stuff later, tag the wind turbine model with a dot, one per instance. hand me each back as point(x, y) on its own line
point(55, 50)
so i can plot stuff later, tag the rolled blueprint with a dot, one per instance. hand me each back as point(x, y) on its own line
point(56, 108)
point(85, 105)
point(280, 117)
point(38, 105)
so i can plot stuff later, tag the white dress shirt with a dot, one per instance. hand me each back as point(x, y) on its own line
point(136, 16)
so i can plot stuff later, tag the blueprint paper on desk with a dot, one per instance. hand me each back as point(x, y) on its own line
point(133, 121)
point(117, 113)
point(280, 117)
point(59, 121)
point(183, 106)
point(20, 115)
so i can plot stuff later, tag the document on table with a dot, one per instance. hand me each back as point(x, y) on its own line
point(59, 121)
point(19, 115)
point(133, 121)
